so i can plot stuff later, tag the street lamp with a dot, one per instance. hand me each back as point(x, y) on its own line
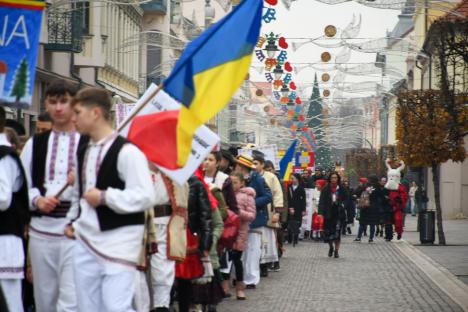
point(284, 90)
point(271, 48)
point(209, 13)
point(278, 72)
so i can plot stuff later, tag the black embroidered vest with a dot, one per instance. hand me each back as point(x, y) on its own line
point(108, 176)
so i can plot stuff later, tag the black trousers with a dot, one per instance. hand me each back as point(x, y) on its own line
point(184, 294)
point(236, 257)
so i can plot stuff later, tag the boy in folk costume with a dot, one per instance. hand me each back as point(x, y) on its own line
point(115, 189)
point(269, 257)
point(14, 215)
point(48, 159)
point(397, 197)
point(170, 222)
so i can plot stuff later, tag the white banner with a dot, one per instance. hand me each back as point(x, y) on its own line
point(270, 152)
point(203, 142)
point(122, 111)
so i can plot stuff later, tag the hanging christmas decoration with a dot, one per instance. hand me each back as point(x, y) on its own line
point(325, 57)
point(330, 31)
point(325, 77)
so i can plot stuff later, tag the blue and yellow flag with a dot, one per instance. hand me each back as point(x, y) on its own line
point(286, 162)
point(211, 69)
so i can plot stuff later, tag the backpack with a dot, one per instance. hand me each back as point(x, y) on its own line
point(364, 201)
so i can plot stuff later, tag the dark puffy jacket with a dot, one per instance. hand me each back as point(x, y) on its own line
point(199, 213)
point(262, 199)
point(372, 214)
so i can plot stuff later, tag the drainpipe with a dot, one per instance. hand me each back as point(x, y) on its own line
point(72, 72)
point(96, 79)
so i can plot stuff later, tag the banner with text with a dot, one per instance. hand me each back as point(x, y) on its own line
point(20, 28)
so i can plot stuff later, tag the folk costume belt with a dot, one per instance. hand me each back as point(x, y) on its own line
point(162, 211)
point(60, 211)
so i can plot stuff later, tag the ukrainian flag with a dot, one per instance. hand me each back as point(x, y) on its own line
point(211, 69)
point(286, 162)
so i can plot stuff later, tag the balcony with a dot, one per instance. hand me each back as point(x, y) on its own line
point(155, 6)
point(65, 31)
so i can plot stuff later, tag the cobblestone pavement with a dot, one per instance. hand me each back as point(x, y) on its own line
point(366, 277)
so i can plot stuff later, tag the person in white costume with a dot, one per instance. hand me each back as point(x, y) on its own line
point(48, 159)
point(269, 258)
point(13, 218)
point(115, 189)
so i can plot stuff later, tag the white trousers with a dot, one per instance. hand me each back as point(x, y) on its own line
point(52, 268)
point(101, 288)
point(269, 245)
point(251, 259)
point(162, 270)
point(11, 289)
point(141, 300)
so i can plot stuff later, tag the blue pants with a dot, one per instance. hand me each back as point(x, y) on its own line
point(362, 228)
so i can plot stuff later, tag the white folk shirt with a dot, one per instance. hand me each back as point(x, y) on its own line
point(218, 180)
point(11, 246)
point(61, 158)
point(119, 247)
point(162, 196)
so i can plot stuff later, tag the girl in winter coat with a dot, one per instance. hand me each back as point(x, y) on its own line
point(245, 197)
point(331, 207)
point(297, 207)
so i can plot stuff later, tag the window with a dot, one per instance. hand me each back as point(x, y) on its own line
point(82, 8)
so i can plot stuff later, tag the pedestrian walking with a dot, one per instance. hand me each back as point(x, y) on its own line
point(397, 196)
point(331, 207)
point(297, 207)
point(269, 255)
point(246, 202)
point(252, 255)
point(199, 241)
point(14, 216)
point(412, 195)
point(370, 210)
point(115, 187)
point(421, 199)
point(350, 208)
point(49, 159)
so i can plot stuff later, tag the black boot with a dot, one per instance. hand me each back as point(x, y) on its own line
point(336, 254)
point(330, 251)
point(264, 270)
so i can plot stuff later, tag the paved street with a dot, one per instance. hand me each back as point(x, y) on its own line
point(367, 277)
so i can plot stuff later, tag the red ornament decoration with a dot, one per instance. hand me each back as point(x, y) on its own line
point(292, 85)
point(288, 67)
point(282, 43)
point(304, 129)
point(272, 2)
point(298, 101)
point(301, 118)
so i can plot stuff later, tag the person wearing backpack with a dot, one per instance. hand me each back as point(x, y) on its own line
point(369, 204)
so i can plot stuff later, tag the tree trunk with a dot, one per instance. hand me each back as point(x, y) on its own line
point(436, 181)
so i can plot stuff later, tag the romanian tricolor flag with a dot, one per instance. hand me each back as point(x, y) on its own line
point(286, 162)
point(211, 69)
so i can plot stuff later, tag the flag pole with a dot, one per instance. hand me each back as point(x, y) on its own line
point(139, 108)
point(123, 125)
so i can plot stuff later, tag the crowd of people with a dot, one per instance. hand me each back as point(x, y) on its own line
point(88, 224)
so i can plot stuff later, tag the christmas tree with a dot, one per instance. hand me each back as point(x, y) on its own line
point(315, 118)
point(20, 86)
